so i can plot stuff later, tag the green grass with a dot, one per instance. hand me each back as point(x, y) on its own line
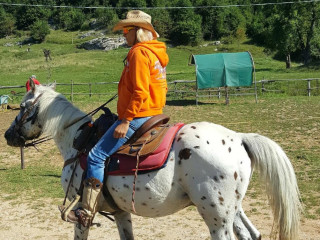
point(36, 181)
point(292, 121)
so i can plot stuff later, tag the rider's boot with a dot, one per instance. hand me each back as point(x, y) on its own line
point(84, 215)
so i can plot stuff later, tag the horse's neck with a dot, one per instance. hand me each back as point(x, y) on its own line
point(64, 141)
point(64, 136)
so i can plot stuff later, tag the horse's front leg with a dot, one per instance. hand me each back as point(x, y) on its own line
point(80, 232)
point(124, 224)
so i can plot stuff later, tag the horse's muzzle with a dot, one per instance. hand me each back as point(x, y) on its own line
point(13, 138)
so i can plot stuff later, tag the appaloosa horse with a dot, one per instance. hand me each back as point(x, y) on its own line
point(209, 166)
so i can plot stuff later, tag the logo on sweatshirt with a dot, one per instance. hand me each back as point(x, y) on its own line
point(162, 73)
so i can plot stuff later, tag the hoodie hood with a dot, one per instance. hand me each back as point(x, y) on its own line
point(158, 48)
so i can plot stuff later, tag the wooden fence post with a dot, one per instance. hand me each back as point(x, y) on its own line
point(309, 87)
point(22, 157)
point(71, 90)
point(227, 96)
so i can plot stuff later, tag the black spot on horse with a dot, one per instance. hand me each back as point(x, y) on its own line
point(212, 205)
point(208, 142)
point(185, 153)
point(229, 149)
point(222, 177)
point(196, 147)
point(148, 189)
point(221, 199)
point(215, 178)
point(197, 136)
point(193, 127)
point(203, 198)
point(125, 185)
point(235, 175)
point(179, 139)
point(223, 142)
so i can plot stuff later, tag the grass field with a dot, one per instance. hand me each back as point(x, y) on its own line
point(292, 121)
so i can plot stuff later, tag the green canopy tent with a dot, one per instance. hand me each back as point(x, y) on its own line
point(224, 70)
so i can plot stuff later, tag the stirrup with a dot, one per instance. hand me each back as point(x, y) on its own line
point(79, 215)
point(66, 210)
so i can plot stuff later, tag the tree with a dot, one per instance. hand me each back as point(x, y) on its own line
point(27, 16)
point(71, 19)
point(7, 23)
point(186, 27)
point(160, 17)
point(39, 30)
point(288, 29)
point(106, 17)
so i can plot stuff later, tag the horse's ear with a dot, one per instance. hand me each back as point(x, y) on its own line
point(32, 85)
point(53, 85)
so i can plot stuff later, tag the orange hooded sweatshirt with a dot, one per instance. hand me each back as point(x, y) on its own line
point(142, 88)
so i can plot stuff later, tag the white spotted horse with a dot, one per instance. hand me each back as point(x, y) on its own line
point(208, 166)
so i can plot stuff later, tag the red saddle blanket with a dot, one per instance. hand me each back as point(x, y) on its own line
point(125, 165)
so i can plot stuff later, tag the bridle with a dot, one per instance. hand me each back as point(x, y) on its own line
point(25, 117)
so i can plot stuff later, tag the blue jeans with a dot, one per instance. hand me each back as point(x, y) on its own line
point(107, 146)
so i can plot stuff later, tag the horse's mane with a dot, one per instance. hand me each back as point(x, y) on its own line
point(56, 111)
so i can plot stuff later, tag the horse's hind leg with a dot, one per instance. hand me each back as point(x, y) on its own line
point(124, 224)
point(243, 227)
point(219, 224)
point(80, 232)
point(215, 208)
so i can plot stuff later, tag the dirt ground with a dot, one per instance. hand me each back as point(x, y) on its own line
point(23, 219)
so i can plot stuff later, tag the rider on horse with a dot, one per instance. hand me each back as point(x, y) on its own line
point(141, 94)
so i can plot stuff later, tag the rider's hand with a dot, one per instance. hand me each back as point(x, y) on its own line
point(122, 129)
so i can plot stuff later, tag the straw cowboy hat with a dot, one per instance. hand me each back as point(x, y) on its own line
point(137, 18)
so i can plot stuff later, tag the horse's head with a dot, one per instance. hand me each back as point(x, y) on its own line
point(26, 125)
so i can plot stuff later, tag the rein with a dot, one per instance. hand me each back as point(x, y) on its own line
point(91, 113)
point(44, 139)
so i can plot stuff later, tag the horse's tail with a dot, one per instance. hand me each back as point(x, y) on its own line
point(278, 175)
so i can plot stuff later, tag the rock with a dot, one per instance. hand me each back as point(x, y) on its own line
point(8, 44)
point(104, 43)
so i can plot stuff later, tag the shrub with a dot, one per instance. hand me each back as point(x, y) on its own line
point(187, 32)
point(39, 30)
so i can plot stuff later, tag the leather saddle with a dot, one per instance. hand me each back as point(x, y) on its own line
point(147, 138)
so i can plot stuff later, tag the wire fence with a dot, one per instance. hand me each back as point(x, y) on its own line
point(178, 89)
